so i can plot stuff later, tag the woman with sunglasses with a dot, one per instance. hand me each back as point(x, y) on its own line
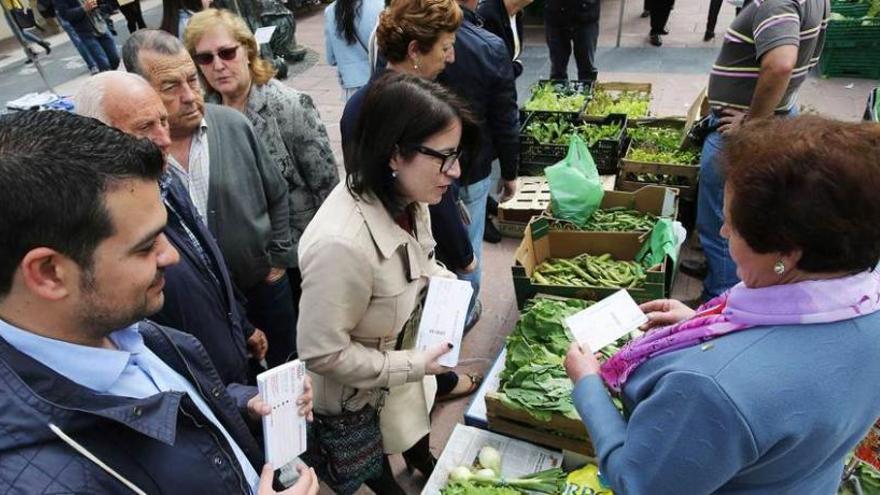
point(227, 55)
point(366, 260)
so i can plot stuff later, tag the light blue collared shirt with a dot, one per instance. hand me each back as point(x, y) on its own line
point(131, 371)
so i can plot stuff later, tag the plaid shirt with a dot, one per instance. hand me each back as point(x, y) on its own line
point(196, 177)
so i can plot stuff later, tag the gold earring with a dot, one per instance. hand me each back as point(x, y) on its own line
point(779, 267)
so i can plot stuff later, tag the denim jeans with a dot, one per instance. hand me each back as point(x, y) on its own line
point(102, 48)
point(560, 39)
point(710, 217)
point(710, 202)
point(77, 43)
point(270, 308)
point(474, 198)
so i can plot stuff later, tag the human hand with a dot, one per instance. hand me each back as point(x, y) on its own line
point(307, 484)
point(90, 5)
point(731, 120)
point(257, 407)
point(506, 189)
point(257, 345)
point(580, 362)
point(662, 312)
point(432, 367)
point(275, 274)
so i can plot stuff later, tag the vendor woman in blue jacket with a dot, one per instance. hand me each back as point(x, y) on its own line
point(764, 389)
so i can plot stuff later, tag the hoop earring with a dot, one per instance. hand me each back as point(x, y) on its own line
point(779, 267)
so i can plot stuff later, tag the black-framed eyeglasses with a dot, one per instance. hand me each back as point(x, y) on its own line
point(207, 58)
point(448, 158)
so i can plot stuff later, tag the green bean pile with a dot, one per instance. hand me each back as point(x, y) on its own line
point(616, 219)
point(585, 270)
point(665, 179)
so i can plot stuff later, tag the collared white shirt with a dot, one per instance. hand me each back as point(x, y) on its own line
point(197, 176)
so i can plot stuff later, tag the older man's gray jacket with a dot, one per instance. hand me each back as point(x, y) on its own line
point(248, 210)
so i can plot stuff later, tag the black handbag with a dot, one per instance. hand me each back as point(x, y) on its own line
point(24, 18)
point(346, 449)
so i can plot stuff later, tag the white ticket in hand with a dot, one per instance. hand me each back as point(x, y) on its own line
point(606, 321)
point(444, 315)
point(284, 430)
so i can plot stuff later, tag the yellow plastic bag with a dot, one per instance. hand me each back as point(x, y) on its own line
point(585, 481)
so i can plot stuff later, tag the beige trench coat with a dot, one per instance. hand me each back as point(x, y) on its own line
point(362, 276)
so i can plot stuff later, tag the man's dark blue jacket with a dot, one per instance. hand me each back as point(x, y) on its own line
point(162, 443)
point(483, 75)
point(199, 299)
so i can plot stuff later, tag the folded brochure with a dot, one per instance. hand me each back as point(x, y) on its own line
point(284, 430)
point(606, 321)
point(444, 315)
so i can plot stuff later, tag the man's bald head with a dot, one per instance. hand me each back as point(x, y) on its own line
point(125, 101)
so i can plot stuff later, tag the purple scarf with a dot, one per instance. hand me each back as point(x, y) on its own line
point(812, 301)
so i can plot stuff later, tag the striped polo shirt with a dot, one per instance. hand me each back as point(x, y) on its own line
point(762, 26)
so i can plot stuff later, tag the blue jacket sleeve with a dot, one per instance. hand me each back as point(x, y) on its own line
point(502, 115)
point(687, 436)
point(69, 10)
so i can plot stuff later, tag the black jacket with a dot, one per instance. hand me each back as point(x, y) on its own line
point(162, 443)
point(483, 75)
point(567, 12)
point(199, 299)
point(84, 23)
point(453, 245)
point(497, 21)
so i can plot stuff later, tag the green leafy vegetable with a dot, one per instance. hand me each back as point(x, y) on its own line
point(634, 104)
point(548, 97)
point(558, 130)
point(659, 145)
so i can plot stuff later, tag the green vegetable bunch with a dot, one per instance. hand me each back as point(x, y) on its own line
point(634, 104)
point(616, 219)
point(659, 145)
point(556, 130)
point(546, 97)
point(533, 378)
point(548, 481)
point(585, 270)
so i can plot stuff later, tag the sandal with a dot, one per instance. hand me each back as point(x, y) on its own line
point(475, 378)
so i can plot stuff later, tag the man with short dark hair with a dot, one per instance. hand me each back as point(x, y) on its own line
point(236, 188)
point(82, 263)
point(767, 53)
point(199, 296)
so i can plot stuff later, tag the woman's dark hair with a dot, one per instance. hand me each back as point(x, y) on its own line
point(346, 13)
point(55, 168)
point(400, 111)
point(807, 183)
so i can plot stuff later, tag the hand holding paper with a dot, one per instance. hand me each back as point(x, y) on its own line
point(443, 317)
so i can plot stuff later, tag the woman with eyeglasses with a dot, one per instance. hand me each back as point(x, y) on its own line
point(227, 55)
point(366, 260)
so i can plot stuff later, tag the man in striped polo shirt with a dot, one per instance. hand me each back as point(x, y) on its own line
point(767, 52)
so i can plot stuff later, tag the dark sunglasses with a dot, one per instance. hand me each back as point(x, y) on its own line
point(447, 158)
point(227, 54)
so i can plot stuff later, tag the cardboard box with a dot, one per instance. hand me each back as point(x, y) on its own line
point(657, 200)
point(540, 243)
point(686, 176)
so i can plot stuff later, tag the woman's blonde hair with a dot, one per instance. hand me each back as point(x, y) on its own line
point(422, 21)
point(261, 69)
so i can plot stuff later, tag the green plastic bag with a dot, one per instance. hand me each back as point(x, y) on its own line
point(575, 187)
point(661, 243)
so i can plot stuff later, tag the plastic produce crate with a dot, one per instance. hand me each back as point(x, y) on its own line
point(605, 152)
point(850, 62)
point(562, 86)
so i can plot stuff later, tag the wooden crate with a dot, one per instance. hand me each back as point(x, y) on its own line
point(621, 86)
point(560, 432)
point(532, 198)
point(686, 176)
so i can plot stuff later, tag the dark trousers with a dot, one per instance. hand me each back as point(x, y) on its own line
point(714, 9)
point(660, 10)
point(133, 16)
point(270, 308)
point(561, 38)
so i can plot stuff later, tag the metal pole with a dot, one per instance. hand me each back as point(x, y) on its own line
point(620, 22)
point(17, 31)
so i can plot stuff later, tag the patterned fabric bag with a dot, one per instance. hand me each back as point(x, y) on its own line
point(347, 449)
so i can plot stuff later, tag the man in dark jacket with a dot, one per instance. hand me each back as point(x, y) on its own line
point(199, 296)
point(95, 399)
point(85, 18)
point(503, 18)
point(236, 188)
point(483, 75)
point(570, 23)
